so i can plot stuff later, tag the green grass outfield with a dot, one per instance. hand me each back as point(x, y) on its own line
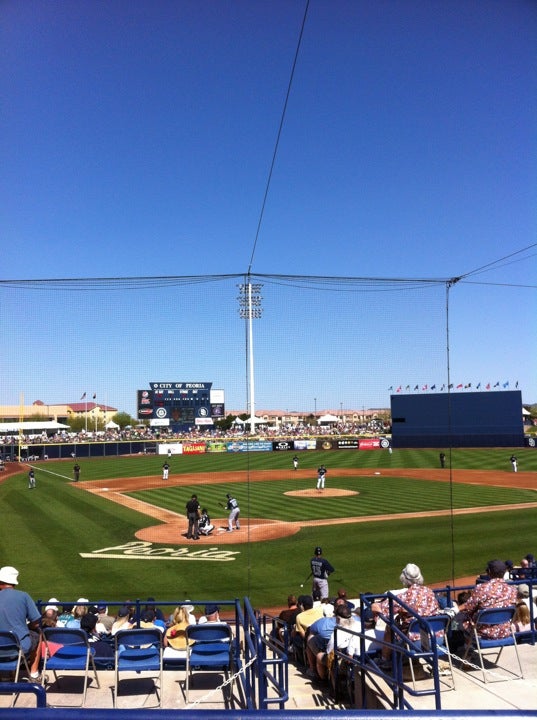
point(43, 532)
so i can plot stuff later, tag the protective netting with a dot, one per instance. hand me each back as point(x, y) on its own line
point(319, 343)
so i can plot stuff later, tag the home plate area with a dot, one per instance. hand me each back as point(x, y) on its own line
point(252, 530)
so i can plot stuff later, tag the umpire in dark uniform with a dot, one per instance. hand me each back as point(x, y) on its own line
point(193, 514)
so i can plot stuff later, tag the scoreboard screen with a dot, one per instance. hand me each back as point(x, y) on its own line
point(180, 405)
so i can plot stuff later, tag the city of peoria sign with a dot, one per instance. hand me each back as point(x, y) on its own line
point(143, 550)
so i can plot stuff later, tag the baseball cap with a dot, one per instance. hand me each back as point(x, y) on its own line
point(123, 611)
point(523, 590)
point(496, 568)
point(9, 575)
point(318, 550)
point(52, 605)
point(211, 609)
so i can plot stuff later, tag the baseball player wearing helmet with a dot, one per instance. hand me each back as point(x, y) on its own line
point(320, 570)
point(234, 512)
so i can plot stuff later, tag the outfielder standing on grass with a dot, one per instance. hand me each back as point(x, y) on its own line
point(320, 569)
point(31, 480)
point(76, 472)
point(234, 511)
point(165, 471)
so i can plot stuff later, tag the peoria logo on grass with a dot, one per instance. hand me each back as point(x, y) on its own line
point(143, 550)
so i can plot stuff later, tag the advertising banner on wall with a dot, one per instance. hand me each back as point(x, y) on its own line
point(215, 446)
point(193, 448)
point(282, 445)
point(369, 443)
point(170, 449)
point(348, 444)
point(337, 444)
point(305, 444)
point(249, 446)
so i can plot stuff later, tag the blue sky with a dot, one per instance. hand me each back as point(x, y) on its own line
point(136, 140)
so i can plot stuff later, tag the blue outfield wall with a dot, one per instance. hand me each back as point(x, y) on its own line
point(465, 419)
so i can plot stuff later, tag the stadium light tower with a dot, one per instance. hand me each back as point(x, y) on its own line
point(250, 308)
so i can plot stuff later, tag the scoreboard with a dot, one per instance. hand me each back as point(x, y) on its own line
point(180, 405)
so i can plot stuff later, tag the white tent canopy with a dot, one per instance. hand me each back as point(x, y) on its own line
point(238, 421)
point(111, 425)
point(257, 421)
point(328, 418)
point(32, 426)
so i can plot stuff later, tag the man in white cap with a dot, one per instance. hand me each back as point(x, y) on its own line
point(18, 612)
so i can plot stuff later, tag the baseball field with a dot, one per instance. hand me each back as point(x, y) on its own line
point(120, 533)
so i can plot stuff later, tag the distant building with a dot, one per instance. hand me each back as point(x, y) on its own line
point(277, 418)
point(58, 412)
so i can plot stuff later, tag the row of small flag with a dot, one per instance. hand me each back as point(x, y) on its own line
point(452, 386)
point(84, 396)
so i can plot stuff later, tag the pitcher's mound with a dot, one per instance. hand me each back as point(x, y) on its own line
point(327, 492)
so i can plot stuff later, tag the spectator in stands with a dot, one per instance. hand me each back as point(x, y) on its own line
point(495, 593)
point(149, 621)
point(456, 635)
point(319, 633)
point(159, 615)
point(49, 618)
point(79, 610)
point(523, 594)
point(52, 605)
point(342, 593)
point(346, 642)
point(123, 620)
point(188, 609)
point(523, 571)
point(66, 615)
point(18, 613)
point(212, 615)
point(521, 619)
point(103, 650)
point(104, 620)
point(175, 642)
point(308, 615)
point(288, 616)
point(420, 598)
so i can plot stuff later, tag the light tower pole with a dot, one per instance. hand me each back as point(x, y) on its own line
point(250, 308)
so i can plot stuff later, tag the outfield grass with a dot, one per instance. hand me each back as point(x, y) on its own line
point(44, 531)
